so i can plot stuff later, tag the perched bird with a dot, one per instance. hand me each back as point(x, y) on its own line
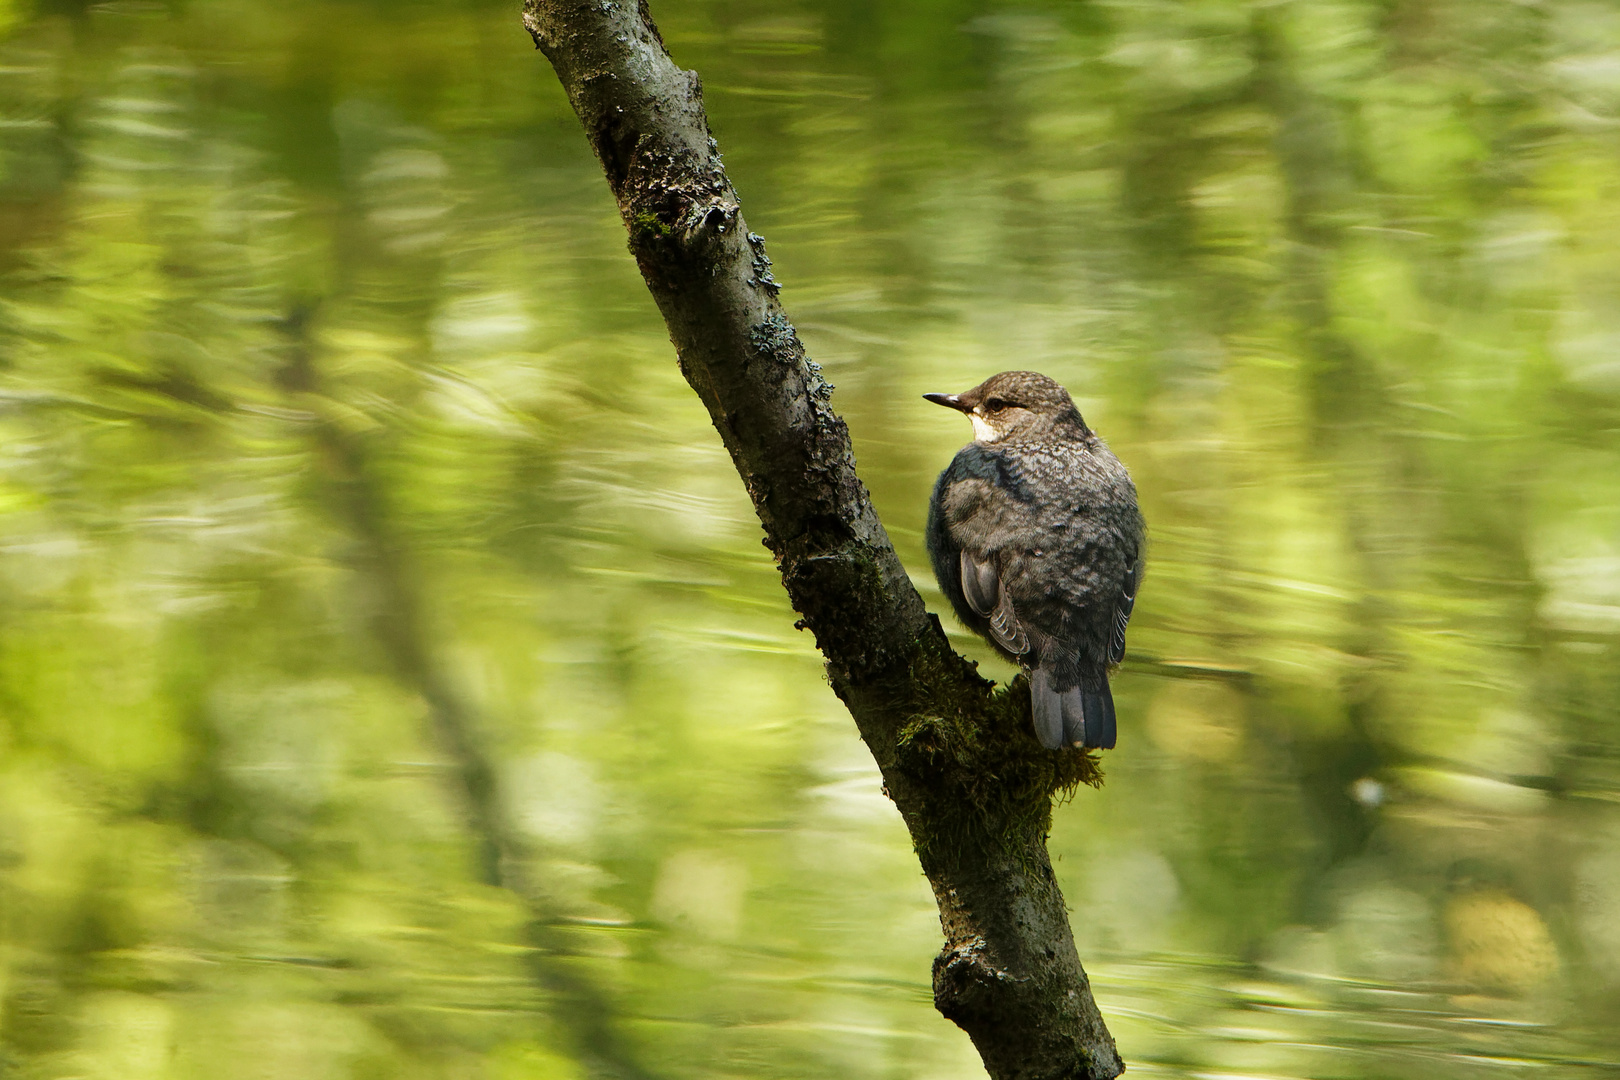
point(1036, 538)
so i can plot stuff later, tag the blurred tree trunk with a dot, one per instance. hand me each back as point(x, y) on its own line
point(358, 501)
point(960, 762)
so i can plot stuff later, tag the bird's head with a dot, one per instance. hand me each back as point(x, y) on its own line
point(1016, 405)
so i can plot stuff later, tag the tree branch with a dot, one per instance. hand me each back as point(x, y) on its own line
point(960, 762)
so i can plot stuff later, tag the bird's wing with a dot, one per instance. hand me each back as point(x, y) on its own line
point(981, 586)
point(1122, 613)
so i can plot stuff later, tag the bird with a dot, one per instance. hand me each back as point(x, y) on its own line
point(1036, 538)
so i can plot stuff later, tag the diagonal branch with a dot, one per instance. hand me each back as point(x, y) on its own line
point(960, 762)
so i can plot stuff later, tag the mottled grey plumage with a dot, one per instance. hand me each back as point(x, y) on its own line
point(1036, 538)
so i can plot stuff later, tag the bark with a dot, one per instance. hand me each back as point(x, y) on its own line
point(959, 760)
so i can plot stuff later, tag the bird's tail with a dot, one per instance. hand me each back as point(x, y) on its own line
point(1046, 705)
point(1092, 724)
point(1072, 717)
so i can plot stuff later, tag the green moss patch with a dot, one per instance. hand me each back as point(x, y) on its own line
point(984, 779)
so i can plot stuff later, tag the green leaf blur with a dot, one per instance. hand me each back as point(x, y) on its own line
point(336, 425)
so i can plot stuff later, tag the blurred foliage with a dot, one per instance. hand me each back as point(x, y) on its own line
point(336, 427)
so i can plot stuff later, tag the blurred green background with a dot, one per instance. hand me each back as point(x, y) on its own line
point(392, 682)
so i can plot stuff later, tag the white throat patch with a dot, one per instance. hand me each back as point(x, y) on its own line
point(982, 431)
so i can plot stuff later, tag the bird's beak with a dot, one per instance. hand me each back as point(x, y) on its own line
point(950, 401)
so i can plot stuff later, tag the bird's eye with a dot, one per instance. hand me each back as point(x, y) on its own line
point(995, 404)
